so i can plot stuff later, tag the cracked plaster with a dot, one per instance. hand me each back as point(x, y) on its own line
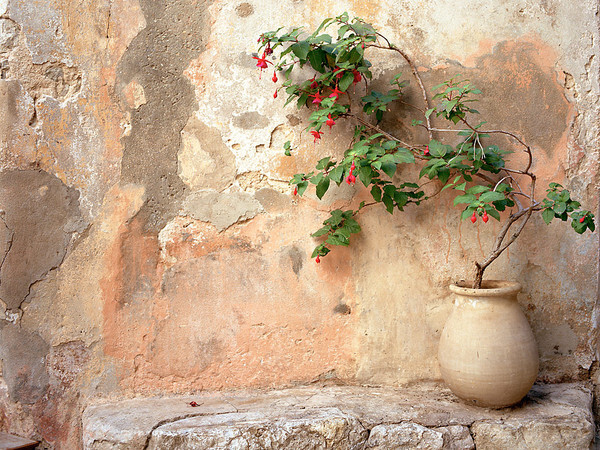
point(163, 95)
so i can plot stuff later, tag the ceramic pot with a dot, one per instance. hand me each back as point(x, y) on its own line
point(488, 355)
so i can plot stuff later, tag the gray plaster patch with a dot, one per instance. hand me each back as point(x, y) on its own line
point(156, 58)
point(244, 9)
point(222, 210)
point(23, 363)
point(6, 237)
point(42, 213)
point(294, 255)
point(272, 200)
point(250, 120)
point(557, 340)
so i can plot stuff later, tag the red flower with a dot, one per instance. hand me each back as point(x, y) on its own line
point(582, 219)
point(275, 94)
point(318, 99)
point(426, 151)
point(316, 134)
point(330, 122)
point(262, 62)
point(193, 404)
point(295, 190)
point(484, 217)
point(313, 83)
point(351, 179)
point(340, 72)
point(357, 76)
point(268, 51)
point(352, 167)
point(335, 94)
point(474, 217)
point(318, 260)
point(274, 77)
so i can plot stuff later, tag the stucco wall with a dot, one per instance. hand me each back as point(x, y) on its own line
point(150, 243)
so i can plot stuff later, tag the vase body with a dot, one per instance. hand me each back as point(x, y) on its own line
point(488, 355)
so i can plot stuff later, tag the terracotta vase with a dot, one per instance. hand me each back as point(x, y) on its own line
point(487, 353)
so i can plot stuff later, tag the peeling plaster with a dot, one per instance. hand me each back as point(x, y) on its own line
point(221, 210)
point(156, 59)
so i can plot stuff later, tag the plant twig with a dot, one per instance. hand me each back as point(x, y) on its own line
point(415, 74)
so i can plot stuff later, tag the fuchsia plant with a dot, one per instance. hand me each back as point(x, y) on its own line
point(477, 172)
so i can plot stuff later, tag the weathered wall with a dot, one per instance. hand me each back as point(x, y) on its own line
point(149, 241)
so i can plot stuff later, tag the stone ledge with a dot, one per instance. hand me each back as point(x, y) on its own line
point(343, 417)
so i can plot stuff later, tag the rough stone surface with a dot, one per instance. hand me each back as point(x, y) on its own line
point(456, 437)
point(323, 428)
point(404, 435)
point(513, 435)
point(421, 416)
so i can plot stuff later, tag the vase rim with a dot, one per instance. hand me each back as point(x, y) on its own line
point(489, 288)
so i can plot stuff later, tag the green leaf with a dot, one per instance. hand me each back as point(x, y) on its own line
point(467, 213)
point(560, 207)
point(322, 187)
point(388, 202)
point(365, 174)
point(389, 169)
point(436, 149)
point(401, 199)
point(492, 212)
point(478, 189)
point(352, 226)
point(346, 81)
point(316, 179)
point(443, 174)
point(321, 231)
point(403, 156)
point(301, 49)
point(337, 174)
point(302, 187)
point(466, 198)
point(338, 239)
point(491, 196)
point(317, 58)
point(302, 100)
point(323, 25)
point(376, 193)
point(548, 215)
point(322, 163)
